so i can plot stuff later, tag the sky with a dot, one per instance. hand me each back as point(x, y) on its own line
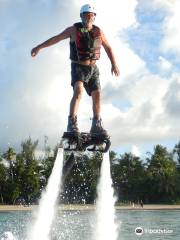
point(140, 109)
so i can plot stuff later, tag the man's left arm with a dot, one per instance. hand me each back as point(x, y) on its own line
point(108, 49)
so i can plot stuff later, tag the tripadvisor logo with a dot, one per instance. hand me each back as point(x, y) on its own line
point(139, 231)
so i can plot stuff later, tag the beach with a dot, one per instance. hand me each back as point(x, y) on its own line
point(83, 207)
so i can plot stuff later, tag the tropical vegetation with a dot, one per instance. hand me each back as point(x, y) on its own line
point(152, 179)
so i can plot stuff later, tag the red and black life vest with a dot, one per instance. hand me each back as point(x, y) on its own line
point(87, 43)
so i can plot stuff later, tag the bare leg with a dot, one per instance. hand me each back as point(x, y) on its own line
point(97, 121)
point(96, 99)
point(74, 105)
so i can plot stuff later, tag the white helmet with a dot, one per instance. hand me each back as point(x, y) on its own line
point(88, 8)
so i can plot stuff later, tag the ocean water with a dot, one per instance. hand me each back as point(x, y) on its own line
point(80, 225)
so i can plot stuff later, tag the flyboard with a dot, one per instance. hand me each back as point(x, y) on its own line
point(78, 142)
point(75, 141)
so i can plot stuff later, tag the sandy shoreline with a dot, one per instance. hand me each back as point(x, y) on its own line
point(75, 207)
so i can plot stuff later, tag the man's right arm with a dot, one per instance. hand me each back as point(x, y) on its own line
point(63, 35)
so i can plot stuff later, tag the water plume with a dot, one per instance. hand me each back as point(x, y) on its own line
point(46, 212)
point(105, 211)
point(7, 236)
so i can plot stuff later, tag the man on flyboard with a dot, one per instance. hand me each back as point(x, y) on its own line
point(86, 40)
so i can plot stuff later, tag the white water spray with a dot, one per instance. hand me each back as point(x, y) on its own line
point(7, 236)
point(106, 228)
point(47, 203)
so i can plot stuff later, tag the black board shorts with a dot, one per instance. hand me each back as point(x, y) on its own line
point(88, 74)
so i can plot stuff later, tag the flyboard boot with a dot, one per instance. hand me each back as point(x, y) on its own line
point(97, 139)
point(72, 124)
point(99, 136)
point(71, 137)
point(97, 127)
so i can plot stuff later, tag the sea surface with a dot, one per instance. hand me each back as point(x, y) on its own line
point(79, 225)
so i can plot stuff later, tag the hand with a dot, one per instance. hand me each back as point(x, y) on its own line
point(115, 70)
point(35, 51)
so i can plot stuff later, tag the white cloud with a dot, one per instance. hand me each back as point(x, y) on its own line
point(35, 93)
point(146, 120)
point(171, 99)
point(164, 64)
point(171, 25)
point(135, 151)
point(112, 16)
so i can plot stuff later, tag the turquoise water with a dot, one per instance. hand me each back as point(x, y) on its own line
point(79, 225)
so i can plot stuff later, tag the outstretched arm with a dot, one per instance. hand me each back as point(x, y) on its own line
point(63, 35)
point(108, 49)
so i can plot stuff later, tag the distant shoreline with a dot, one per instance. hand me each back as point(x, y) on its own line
point(87, 207)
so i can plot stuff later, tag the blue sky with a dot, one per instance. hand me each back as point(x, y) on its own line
point(140, 108)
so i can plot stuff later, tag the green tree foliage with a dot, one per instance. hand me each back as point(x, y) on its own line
point(46, 165)
point(10, 192)
point(80, 184)
point(155, 179)
point(161, 176)
point(22, 180)
point(3, 180)
point(30, 175)
point(128, 176)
